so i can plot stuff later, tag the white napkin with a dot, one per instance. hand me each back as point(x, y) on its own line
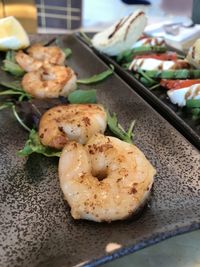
point(183, 40)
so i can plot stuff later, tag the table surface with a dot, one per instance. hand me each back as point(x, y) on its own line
point(179, 251)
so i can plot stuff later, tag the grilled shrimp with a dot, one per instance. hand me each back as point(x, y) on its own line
point(50, 81)
point(37, 55)
point(26, 62)
point(76, 122)
point(51, 54)
point(105, 180)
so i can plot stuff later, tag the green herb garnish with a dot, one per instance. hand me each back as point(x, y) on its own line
point(14, 88)
point(67, 52)
point(97, 77)
point(128, 55)
point(6, 105)
point(33, 145)
point(193, 103)
point(86, 38)
point(10, 65)
point(118, 130)
point(82, 96)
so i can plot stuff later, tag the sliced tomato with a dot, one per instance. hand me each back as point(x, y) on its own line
point(160, 56)
point(178, 84)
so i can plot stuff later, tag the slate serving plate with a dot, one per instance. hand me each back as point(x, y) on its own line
point(159, 100)
point(36, 228)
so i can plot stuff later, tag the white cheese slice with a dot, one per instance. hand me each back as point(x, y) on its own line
point(150, 41)
point(152, 64)
point(179, 96)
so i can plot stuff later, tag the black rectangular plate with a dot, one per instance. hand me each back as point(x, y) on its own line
point(36, 227)
point(158, 99)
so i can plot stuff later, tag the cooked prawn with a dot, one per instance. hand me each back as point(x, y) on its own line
point(26, 62)
point(105, 180)
point(50, 81)
point(50, 54)
point(76, 122)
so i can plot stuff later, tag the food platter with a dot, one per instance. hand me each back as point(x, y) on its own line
point(36, 226)
point(159, 100)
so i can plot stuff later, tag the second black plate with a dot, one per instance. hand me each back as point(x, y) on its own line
point(158, 100)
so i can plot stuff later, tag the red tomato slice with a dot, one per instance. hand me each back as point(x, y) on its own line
point(160, 56)
point(178, 84)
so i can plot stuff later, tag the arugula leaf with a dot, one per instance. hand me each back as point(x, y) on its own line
point(125, 57)
point(82, 96)
point(19, 119)
point(67, 52)
point(6, 105)
point(10, 55)
point(12, 106)
point(118, 130)
point(195, 113)
point(97, 77)
point(10, 92)
point(16, 85)
point(126, 65)
point(14, 89)
point(193, 103)
point(10, 65)
point(13, 68)
point(33, 145)
point(86, 38)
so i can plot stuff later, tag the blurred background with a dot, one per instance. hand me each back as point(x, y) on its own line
point(65, 15)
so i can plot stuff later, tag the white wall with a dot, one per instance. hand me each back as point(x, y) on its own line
point(101, 13)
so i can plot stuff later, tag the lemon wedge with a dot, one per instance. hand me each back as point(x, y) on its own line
point(12, 34)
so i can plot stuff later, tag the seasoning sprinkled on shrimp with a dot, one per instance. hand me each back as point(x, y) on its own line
point(27, 62)
point(76, 122)
point(50, 81)
point(105, 180)
point(50, 54)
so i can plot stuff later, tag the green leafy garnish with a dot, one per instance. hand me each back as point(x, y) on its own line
point(13, 108)
point(67, 52)
point(125, 57)
point(118, 130)
point(193, 103)
point(193, 107)
point(97, 77)
point(154, 86)
point(14, 89)
point(33, 145)
point(16, 85)
point(10, 65)
point(86, 38)
point(195, 113)
point(126, 65)
point(6, 105)
point(82, 96)
point(128, 55)
point(19, 119)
